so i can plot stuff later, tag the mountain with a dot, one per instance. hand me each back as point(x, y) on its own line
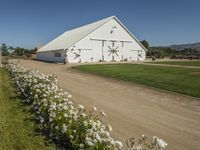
point(180, 47)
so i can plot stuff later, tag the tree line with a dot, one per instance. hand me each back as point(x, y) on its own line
point(161, 52)
point(17, 51)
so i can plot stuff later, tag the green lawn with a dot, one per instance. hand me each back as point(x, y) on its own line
point(176, 79)
point(17, 130)
point(182, 63)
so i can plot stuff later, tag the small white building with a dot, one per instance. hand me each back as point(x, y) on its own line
point(104, 40)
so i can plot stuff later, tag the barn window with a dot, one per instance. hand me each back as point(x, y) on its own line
point(57, 54)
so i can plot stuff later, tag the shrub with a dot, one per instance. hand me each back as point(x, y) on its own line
point(70, 126)
point(5, 60)
point(144, 143)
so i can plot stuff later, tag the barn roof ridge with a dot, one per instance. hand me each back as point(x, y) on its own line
point(70, 37)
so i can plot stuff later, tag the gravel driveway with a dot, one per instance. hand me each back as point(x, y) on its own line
point(132, 109)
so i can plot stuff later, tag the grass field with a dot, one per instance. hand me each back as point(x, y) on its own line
point(180, 80)
point(17, 131)
point(182, 63)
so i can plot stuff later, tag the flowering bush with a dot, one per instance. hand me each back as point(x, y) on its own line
point(144, 144)
point(71, 126)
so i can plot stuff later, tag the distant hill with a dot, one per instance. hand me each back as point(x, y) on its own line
point(180, 47)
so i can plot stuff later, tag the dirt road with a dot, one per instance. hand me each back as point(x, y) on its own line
point(133, 109)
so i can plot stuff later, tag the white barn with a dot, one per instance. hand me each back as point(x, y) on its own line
point(104, 40)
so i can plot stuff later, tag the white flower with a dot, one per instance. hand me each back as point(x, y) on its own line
point(138, 147)
point(118, 144)
point(64, 128)
point(53, 106)
point(109, 128)
point(70, 103)
point(65, 115)
point(143, 135)
point(75, 117)
point(69, 95)
point(83, 114)
point(94, 108)
point(94, 141)
point(85, 123)
point(155, 139)
point(41, 120)
point(103, 113)
point(56, 96)
point(57, 127)
point(38, 90)
point(71, 136)
point(161, 144)
point(50, 119)
point(36, 96)
point(98, 137)
point(81, 107)
point(81, 145)
point(65, 107)
point(90, 143)
point(22, 90)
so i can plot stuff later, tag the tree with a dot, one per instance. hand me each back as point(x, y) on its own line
point(11, 49)
point(19, 51)
point(4, 49)
point(145, 44)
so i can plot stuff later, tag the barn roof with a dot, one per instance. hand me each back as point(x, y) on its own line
point(70, 37)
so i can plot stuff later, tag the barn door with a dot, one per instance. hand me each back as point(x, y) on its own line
point(77, 55)
point(112, 51)
point(80, 55)
point(73, 55)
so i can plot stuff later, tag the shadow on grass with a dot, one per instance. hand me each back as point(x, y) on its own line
point(30, 119)
point(61, 142)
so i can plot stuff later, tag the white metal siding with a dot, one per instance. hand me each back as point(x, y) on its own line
point(129, 51)
point(49, 56)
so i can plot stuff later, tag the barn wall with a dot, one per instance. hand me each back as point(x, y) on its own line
point(93, 49)
point(49, 56)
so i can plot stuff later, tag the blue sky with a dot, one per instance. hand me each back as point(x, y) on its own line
point(28, 23)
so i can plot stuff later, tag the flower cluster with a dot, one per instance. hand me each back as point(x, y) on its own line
point(144, 144)
point(72, 126)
